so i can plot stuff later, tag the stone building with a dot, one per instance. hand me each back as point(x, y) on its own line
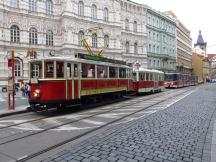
point(50, 27)
point(161, 31)
point(184, 46)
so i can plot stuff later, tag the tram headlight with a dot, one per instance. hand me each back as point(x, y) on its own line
point(37, 93)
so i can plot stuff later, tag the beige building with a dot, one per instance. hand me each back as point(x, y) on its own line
point(184, 46)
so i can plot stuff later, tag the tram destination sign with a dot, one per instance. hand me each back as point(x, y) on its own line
point(99, 58)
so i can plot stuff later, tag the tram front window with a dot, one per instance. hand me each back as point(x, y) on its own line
point(36, 70)
point(49, 69)
point(170, 77)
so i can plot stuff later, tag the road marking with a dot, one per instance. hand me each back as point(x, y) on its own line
point(93, 122)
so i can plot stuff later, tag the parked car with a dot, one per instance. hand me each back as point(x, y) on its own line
point(213, 80)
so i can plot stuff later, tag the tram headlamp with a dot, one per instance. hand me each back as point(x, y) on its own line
point(37, 93)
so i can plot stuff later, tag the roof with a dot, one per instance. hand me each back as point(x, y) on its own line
point(200, 40)
point(148, 70)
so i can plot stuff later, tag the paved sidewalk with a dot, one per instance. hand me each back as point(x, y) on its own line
point(181, 133)
point(18, 106)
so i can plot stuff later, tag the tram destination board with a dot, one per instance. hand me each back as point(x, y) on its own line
point(99, 58)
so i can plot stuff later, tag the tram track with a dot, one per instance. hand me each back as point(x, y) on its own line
point(28, 157)
point(169, 95)
point(14, 117)
point(71, 122)
point(66, 123)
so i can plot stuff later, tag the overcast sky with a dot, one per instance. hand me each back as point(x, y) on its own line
point(194, 14)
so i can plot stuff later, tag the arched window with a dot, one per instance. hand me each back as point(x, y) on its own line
point(32, 5)
point(17, 68)
point(94, 11)
point(126, 24)
point(106, 14)
point(106, 41)
point(14, 3)
point(49, 38)
point(49, 7)
point(81, 8)
point(135, 48)
point(127, 47)
point(94, 40)
point(80, 38)
point(149, 49)
point(33, 36)
point(15, 34)
point(135, 26)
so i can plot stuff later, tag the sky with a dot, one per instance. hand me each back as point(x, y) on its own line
point(194, 14)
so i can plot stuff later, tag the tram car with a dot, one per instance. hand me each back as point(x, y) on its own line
point(193, 80)
point(146, 80)
point(177, 80)
point(57, 81)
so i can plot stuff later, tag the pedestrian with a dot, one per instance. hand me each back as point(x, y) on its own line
point(23, 89)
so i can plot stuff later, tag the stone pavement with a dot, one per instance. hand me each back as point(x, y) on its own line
point(181, 133)
point(18, 106)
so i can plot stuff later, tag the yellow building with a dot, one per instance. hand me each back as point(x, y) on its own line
point(201, 67)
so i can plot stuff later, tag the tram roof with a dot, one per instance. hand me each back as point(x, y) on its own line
point(148, 70)
point(81, 60)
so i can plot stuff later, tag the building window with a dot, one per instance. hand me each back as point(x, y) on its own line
point(126, 24)
point(106, 14)
point(17, 68)
point(49, 7)
point(32, 5)
point(14, 3)
point(33, 36)
point(94, 41)
point(106, 41)
point(80, 38)
point(127, 47)
point(94, 11)
point(135, 48)
point(81, 8)
point(153, 48)
point(135, 26)
point(49, 38)
point(15, 34)
point(149, 49)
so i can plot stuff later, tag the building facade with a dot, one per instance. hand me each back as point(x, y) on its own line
point(184, 46)
point(57, 27)
point(161, 31)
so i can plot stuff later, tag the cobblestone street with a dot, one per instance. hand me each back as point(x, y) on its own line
point(181, 132)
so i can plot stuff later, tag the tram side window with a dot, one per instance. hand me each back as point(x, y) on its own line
point(75, 70)
point(68, 70)
point(36, 70)
point(128, 73)
point(60, 69)
point(147, 76)
point(49, 69)
point(151, 76)
point(113, 72)
point(122, 73)
point(88, 70)
point(141, 76)
point(102, 71)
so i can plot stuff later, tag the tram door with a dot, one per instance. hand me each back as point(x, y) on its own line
point(73, 81)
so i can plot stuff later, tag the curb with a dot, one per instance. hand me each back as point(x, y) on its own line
point(13, 113)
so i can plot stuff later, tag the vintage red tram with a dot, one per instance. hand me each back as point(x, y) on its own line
point(146, 80)
point(61, 81)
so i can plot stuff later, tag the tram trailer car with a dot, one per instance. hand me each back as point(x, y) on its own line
point(146, 80)
point(67, 81)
